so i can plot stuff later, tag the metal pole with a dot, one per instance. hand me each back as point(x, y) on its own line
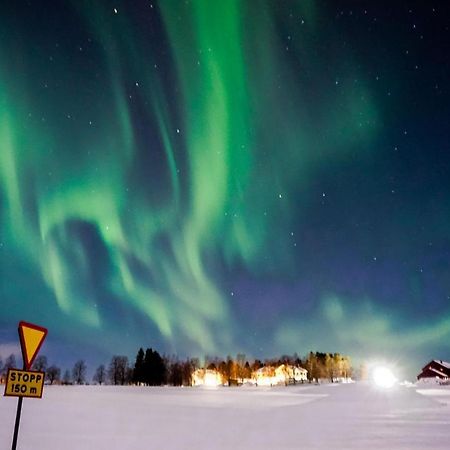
point(16, 426)
point(18, 413)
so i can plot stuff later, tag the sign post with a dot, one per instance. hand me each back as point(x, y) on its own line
point(16, 424)
point(26, 382)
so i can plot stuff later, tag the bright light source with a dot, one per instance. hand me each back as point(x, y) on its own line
point(212, 379)
point(383, 377)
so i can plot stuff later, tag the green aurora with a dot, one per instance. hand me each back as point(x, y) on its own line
point(152, 157)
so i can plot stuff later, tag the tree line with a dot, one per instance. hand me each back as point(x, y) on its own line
point(320, 366)
point(152, 369)
point(52, 372)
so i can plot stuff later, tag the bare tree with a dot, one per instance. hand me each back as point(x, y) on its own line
point(118, 369)
point(40, 363)
point(346, 367)
point(330, 368)
point(188, 368)
point(10, 363)
point(79, 372)
point(241, 369)
point(129, 375)
point(53, 374)
point(100, 374)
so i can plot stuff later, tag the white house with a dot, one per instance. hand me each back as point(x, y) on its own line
point(291, 374)
point(283, 374)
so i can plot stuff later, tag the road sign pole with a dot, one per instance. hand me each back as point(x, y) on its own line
point(26, 382)
point(16, 426)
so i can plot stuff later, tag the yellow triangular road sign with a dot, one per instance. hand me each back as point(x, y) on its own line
point(31, 339)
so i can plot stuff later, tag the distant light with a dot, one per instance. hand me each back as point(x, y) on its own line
point(212, 379)
point(383, 377)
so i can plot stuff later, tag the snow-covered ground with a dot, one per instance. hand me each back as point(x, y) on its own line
point(353, 416)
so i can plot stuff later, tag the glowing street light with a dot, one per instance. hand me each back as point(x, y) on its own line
point(383, 377)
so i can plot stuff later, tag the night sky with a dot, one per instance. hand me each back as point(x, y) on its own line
point(212, 177)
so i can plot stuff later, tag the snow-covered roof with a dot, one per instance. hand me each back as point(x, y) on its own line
point(442, 363)
point(265, 369)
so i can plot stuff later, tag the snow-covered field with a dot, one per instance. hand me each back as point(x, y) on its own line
point(353, 416)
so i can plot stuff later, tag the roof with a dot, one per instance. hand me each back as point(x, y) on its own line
point(265, 369)
point(442, 363)
point(439, 362)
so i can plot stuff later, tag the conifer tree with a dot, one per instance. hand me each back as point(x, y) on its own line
point(138, 371)
point(155, 370)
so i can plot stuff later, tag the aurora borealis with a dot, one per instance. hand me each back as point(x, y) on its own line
point(212, 177)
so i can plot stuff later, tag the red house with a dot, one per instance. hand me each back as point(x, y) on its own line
point(435, 369)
